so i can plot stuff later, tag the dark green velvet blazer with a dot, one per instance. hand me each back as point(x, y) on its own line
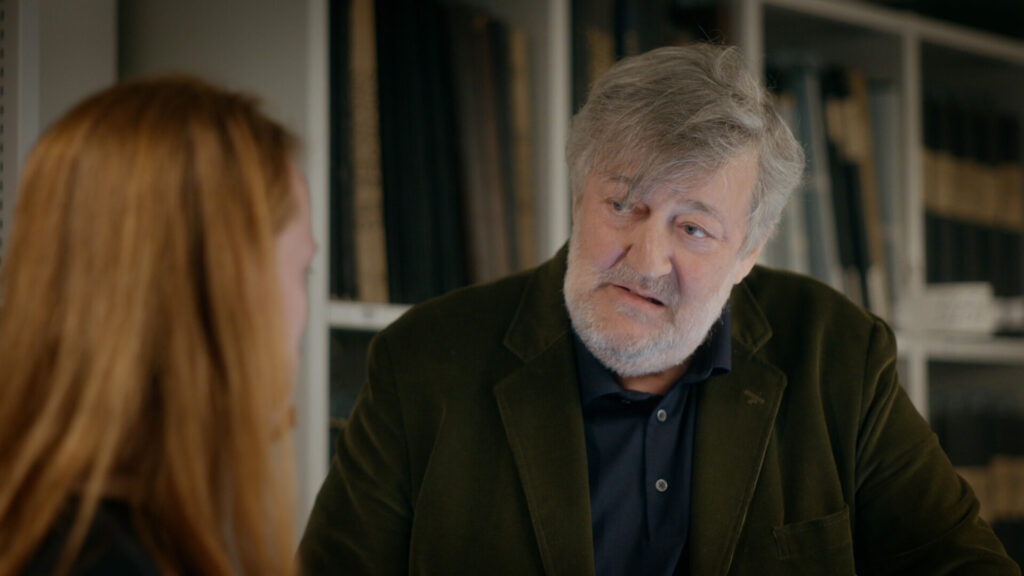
point(465, 451)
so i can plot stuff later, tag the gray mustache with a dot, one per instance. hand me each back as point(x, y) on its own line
point(664, 288)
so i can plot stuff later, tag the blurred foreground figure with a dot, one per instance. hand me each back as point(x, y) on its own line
point(153, 298)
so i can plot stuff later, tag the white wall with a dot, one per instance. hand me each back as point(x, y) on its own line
point(77, 53)
point(55, 53)
point(257, 46)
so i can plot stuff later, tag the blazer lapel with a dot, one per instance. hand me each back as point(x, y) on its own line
point(540, 410)
point(735, 419)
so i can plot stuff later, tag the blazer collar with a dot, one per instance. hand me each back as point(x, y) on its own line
point(750, 327)
point(541, 318)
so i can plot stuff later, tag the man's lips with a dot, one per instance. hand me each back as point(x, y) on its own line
point(638, 293)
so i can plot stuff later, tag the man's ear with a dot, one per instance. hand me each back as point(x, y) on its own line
point(747, 262)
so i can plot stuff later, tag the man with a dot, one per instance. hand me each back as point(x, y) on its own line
point(649, 402)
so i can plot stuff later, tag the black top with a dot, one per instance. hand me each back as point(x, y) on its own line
point(639, 459)
point(110, 548)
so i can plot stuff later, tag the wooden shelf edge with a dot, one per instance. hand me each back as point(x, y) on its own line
point(900, 22)
point(362, 315)
point(967, 40)
point(970, 348)
point(877, 18)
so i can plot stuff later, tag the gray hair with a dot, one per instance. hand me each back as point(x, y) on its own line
point(684, 113)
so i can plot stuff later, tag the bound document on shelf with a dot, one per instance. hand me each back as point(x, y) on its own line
point(963, 307)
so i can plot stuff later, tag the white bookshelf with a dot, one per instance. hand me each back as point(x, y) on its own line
point(907, 49)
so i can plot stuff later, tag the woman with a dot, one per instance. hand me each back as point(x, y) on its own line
point(153, 298)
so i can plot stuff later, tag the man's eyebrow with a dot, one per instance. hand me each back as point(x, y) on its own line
point(690, 204)
point(620, 179)
point(699, 206)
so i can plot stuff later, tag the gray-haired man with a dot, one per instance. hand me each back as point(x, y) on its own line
point(649, 401)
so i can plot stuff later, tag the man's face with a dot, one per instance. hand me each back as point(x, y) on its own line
point(647, 280)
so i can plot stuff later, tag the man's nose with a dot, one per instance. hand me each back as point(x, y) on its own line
point(650, 250)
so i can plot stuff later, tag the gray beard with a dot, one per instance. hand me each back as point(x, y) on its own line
point(664, 347)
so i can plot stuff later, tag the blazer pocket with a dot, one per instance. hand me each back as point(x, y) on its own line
point(814, 537)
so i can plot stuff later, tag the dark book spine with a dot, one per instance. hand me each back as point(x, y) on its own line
point(450, 258)
point(580, 82)
point(964, 199)
point(1012, 203)
point(342, 241)
point(402, 126)
point(843, 175)
point(499, 41)
point(929, 178)
point(947, 232)
point(390, 84)
point(593, 45)
point(640, 26)
point(482, 184)
point(857, 229)
point(468, 135)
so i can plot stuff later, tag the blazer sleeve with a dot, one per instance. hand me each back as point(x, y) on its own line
point(914, 515)
point(360, 523)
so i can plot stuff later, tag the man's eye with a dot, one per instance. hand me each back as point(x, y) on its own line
point(695, 231)
point(618, 206)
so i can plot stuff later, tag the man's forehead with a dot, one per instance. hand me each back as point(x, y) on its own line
point(679, 177)
point(636, 187)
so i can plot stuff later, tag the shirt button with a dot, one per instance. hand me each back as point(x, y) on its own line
point(661, 485)
point(662, 415)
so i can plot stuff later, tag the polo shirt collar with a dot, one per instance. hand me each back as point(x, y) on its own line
point(713, 357)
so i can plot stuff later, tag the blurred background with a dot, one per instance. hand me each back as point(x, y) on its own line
point(433, 138)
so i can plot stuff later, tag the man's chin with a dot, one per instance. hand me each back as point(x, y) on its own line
point(633, 353)
point(634, 363)
point(629, 340)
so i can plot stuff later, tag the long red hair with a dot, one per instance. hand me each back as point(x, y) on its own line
point(142, 341)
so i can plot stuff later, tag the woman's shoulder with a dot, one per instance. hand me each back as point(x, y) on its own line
point(112, 546)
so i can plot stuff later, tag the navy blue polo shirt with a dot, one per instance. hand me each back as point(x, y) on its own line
point(640, 457)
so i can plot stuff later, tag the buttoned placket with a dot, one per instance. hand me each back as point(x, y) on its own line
point(661, 439)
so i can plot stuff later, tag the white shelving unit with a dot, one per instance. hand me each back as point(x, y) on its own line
point(903, 48)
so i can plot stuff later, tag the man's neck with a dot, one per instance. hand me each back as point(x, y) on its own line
point(658, 383)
